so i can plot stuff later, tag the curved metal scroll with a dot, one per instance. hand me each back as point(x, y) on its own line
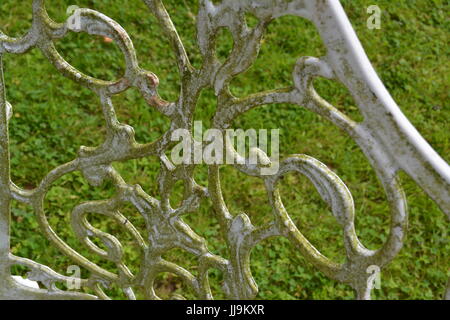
point(385, 136)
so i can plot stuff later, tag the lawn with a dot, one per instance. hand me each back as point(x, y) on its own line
point(54, 116)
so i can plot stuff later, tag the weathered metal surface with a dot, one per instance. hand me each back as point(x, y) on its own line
point(385, 136)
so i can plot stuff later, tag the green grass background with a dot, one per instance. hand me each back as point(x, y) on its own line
point(53, 117)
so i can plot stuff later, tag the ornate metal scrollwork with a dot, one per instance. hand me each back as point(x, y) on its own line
point(385, 136)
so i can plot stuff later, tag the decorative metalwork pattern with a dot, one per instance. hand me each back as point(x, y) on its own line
point(385, 136)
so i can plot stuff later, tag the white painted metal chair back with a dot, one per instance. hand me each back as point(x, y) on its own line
point(385, 136)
